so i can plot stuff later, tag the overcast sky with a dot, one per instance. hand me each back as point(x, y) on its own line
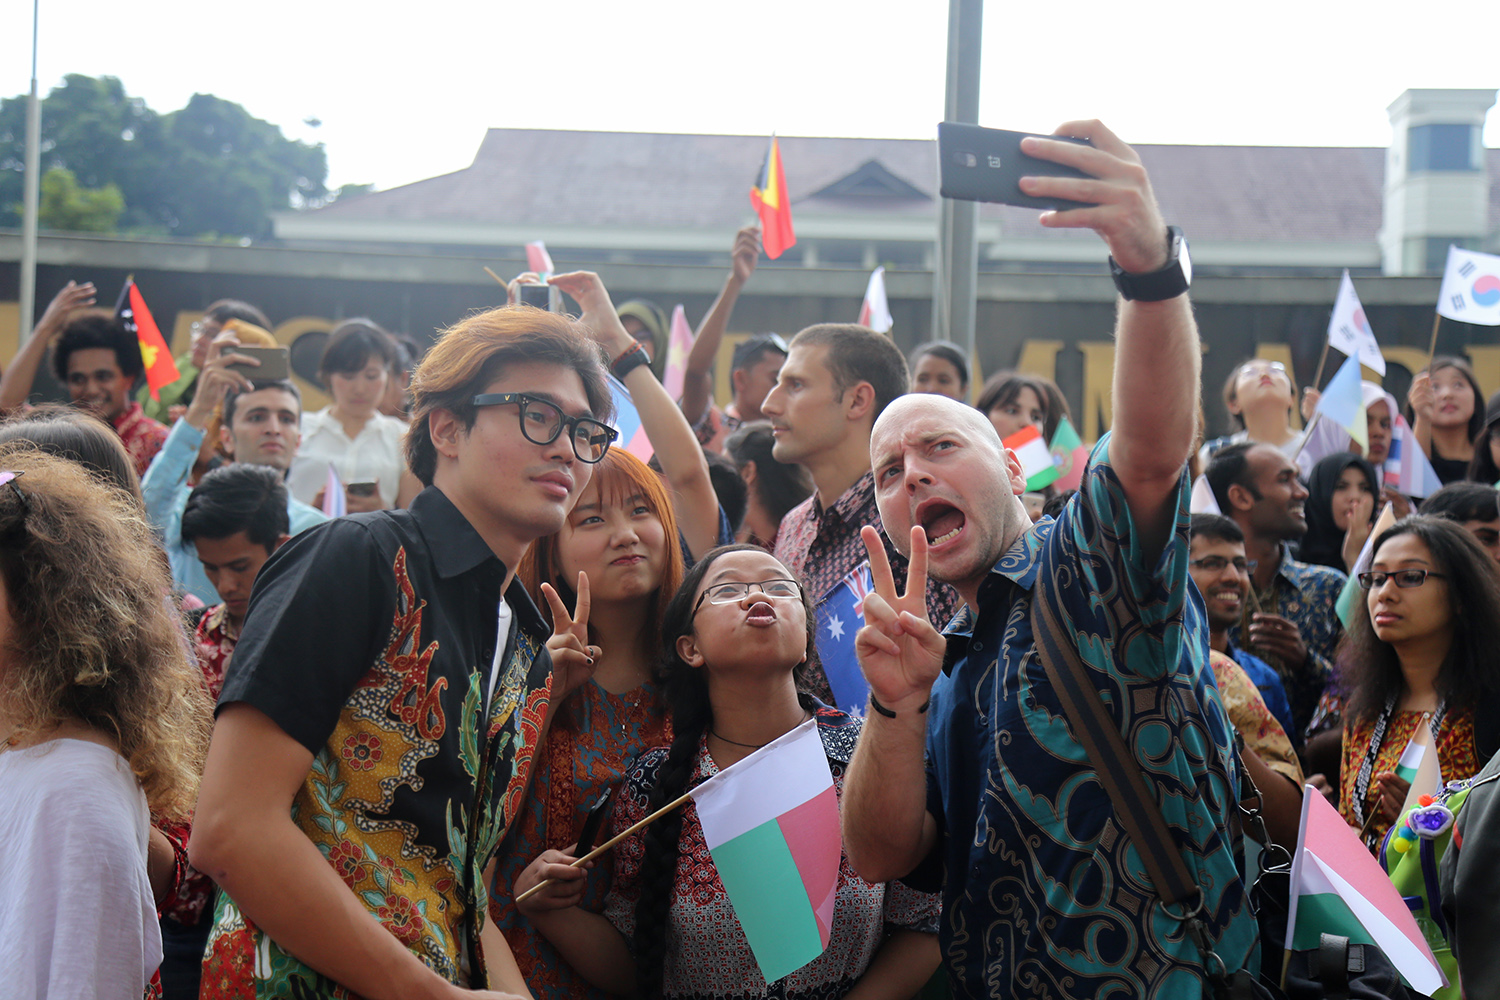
point(406, 92)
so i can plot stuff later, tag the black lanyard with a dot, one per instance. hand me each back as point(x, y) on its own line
point(1377, 738)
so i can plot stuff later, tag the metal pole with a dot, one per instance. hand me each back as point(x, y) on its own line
point(957, 249)
point(30, 192)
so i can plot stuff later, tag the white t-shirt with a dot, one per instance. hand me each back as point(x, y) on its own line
point(77, 918)
point(375, 455)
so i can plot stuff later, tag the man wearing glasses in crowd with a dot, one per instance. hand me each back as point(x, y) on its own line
point(378, 722)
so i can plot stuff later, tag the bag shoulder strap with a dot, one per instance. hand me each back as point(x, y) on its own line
point(1119, 772)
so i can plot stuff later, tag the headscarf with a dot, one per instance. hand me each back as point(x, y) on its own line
point(654, 320)
point(1324, 542)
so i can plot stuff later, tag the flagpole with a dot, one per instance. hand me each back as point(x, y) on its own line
point(1322, 360)
point(611, 842)
point(1307, 433)
point(1437, 318)
point(31, 189)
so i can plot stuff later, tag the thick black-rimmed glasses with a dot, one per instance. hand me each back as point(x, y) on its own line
point(1406, 579)
point(543, 421)
point(729, 593)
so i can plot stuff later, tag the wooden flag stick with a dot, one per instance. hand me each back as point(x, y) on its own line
point(1437, 318)
point(499, 280)
point(1306, 433)
point(611, 842)
point(1322, 360)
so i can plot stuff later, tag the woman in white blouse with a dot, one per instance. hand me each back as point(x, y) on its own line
point(362, 444)
point(104, 722)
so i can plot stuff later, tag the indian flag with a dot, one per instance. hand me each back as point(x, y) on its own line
point(1035, 457)
point(1339, 888)
point(771, 822)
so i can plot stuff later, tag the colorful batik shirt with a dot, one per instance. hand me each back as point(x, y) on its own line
point(1457, 759)
point(821, 546)
point(1252, 718)
point(1044, 894)
point(592, 741)
point(707, 955)
point(1304, 595)
point(141, 436)
point(370, 641)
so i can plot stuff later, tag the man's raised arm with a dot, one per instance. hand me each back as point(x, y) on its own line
point(1157, 358)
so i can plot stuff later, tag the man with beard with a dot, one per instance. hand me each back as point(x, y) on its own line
point(1289, 621)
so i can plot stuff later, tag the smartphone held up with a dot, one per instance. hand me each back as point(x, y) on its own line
point(986, 164)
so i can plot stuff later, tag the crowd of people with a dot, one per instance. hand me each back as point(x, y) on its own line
point(260, 744)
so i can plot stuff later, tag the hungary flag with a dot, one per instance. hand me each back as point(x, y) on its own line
point(1035, 457)
point(771, 822)
point(1339, 888)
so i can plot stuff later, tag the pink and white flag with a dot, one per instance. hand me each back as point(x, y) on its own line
point(537, 258)
point(875, 311)
point(679, 343)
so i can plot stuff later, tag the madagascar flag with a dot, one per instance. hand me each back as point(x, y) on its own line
point(772, 204)
point(131, 311)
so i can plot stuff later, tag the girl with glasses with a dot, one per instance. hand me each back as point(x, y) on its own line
point(736, 636)
point(104, 722)
point(1418, 665)
point(630, 536)
point(1259, 396)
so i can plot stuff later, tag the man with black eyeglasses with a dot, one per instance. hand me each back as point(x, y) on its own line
point(1218, 566)
point(392, 684)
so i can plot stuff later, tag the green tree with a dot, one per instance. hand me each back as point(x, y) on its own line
point(210, 168)
point(67, 206)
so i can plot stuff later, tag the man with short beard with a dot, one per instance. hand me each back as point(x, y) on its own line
point(967, 757)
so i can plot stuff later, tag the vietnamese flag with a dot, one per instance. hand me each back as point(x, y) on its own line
point(772, 204)
point(132, 313)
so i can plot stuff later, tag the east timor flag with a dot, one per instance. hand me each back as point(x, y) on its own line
point(131, 311)
point(772, 204)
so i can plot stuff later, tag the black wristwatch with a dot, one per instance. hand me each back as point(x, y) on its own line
point(1168, 283)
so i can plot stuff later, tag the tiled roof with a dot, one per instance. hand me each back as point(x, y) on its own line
point(650, 180)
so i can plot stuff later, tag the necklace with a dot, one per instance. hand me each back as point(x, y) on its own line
point(755, 746)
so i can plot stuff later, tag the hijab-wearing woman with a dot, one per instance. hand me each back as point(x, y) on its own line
point(736, 634)
point(1421, 657)
point(1446, 417)
point(104, 721)
point(1340, 508)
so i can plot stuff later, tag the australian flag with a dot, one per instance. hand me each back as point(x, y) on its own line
point(840, 614)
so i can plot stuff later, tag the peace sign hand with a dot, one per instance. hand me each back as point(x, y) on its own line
point(899, 651)
point(573, 659)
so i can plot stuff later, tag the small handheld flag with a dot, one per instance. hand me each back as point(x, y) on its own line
point(1035, 457)
point(771, 823)
point(628, 422)
point(841, 613)
point(875, 311)
point(1343, 402)
point(773, 204)
point(1070, 456)
point(1407, 469)
point(335, 504)
point(1471, 288)
point(1348, 600)
point(538, 259)
point(131, 311)
point(679, 343)
point(1349, 331)
point(1203, 500)
point(1339, 888)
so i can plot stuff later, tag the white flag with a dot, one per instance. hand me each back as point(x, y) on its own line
point(1471, 288)
point(875, 313)
point(1349, 331)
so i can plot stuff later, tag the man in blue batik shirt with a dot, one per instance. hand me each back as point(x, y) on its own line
point(966, 756)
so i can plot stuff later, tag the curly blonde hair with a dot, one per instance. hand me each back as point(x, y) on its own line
point(94, 639)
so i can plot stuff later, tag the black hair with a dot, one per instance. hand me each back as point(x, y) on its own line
point(1003, 387)
point(686, 692)
point(949, 352)
point(232, 397)
point(1482, 468)
point(95, 328)
point(858, 354)
point(1323, 545)
point(1053, 506)
point(235, 498)
point(224, 310)
point(78, 436)
point(1463, 501)
point(1369, 670)
point(733, 494)
point(779, 486)
point(352, 344)
point(1228, 467)
point(1215, 526)
point(749, 352)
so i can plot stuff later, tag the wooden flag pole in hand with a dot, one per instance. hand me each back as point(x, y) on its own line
point(611, 842)
point(1437, 319)
point(1322, 360)
point(499, 280)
